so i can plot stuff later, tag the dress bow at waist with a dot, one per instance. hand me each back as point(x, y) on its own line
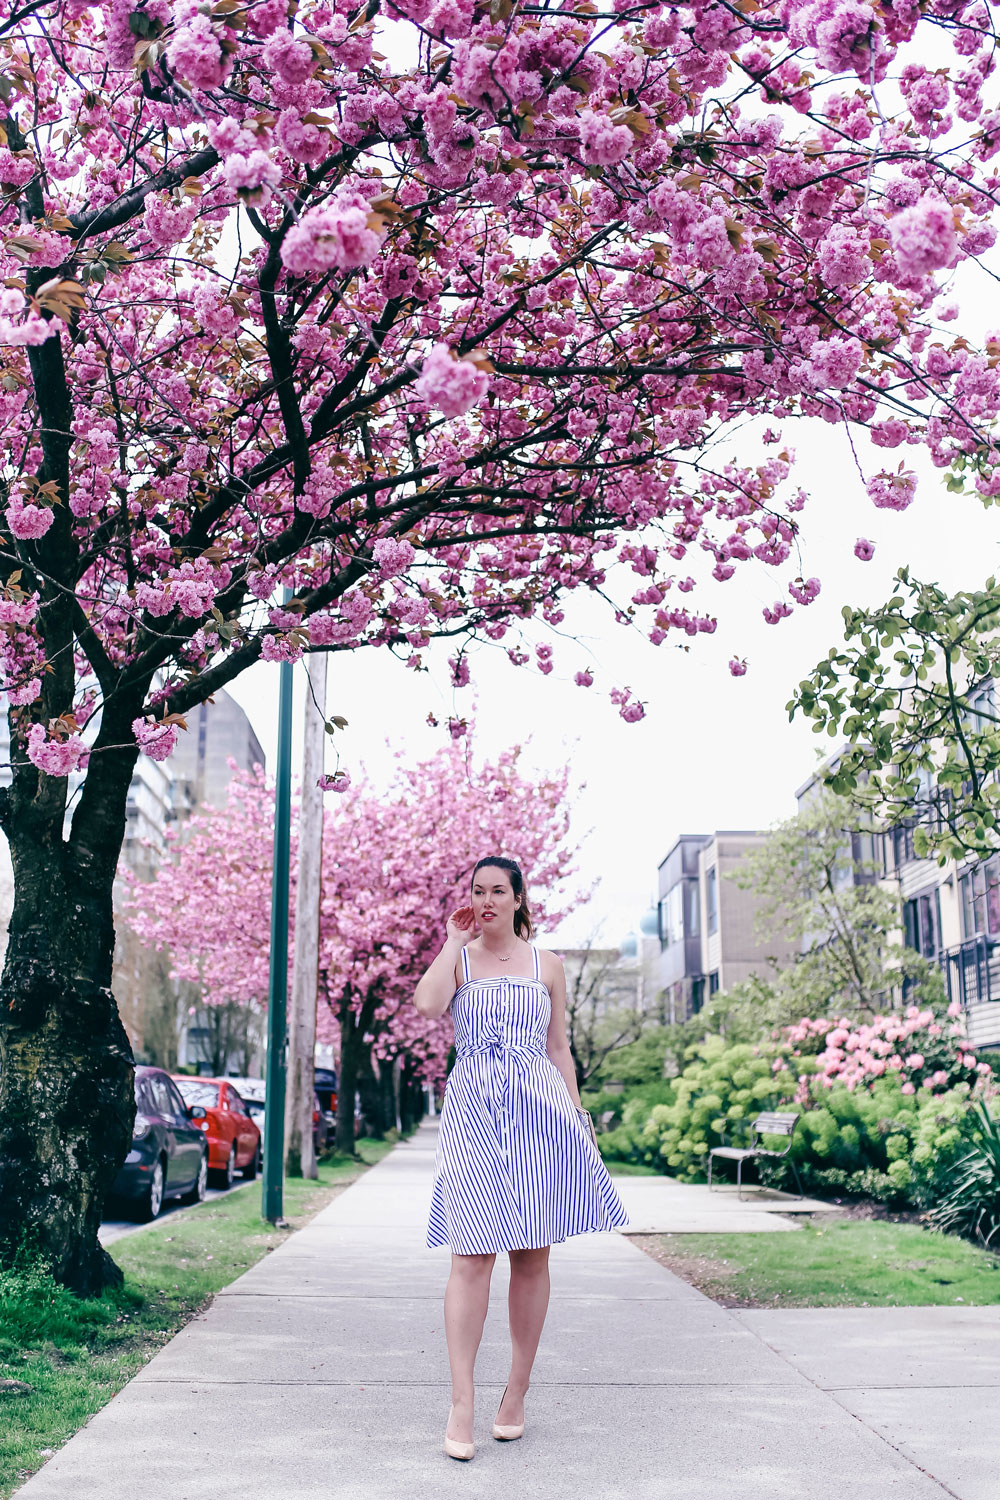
point(505, 1058)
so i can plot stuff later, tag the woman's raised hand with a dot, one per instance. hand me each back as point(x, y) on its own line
point(462, 926)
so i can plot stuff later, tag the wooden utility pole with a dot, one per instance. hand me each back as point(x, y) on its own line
point(300, 1154)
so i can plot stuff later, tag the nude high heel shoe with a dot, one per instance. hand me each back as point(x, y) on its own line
point(507, 1433)
point(455, 1449)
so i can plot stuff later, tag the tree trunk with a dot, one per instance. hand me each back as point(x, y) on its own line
point(355, 1054)
point(372, 1093)
point(347, 1081)
point(66, 1087)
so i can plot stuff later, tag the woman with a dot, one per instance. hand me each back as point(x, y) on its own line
point(517, 1167)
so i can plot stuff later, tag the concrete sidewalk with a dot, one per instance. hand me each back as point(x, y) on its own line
point(322, 1374)
point(662, 1205)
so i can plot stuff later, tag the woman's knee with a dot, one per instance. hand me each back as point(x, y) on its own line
point(534, 1262)
point(472, 1267)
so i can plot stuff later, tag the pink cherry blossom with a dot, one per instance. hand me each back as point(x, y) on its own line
point(58, 756)
point(28, 521)
point(155, 740)
point(338, 781)
point(604, 143)
point(892, 491)
point(392, 555)
point(451, 385)
point(336, 236)
point(804, 591)
point(252, 177)
point(195, 53)
point(923, 237)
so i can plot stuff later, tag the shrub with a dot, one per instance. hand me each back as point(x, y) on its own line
point(972, 1204)
point(887, 1138)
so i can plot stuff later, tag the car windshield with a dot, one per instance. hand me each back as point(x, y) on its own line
point(254, 1106)
point(193, 1092)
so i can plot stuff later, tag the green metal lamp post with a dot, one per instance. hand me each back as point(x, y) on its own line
point(277, 1005)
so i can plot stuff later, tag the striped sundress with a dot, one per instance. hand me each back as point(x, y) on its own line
point(515, 1169)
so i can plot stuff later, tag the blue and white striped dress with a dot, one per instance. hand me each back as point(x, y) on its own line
point(515, 1169)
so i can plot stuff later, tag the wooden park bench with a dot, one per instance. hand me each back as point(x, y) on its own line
point(766, 1124)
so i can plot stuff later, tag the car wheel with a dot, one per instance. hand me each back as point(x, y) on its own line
point(149, 1205)
point(228, 1173)
point(253, 1166)
point(197, 1193)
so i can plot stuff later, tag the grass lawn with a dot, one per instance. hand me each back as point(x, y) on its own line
point(63, 1358)
point(836, 1263)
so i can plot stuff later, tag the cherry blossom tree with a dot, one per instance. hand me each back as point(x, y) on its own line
point(425, 311)
point(396, 861)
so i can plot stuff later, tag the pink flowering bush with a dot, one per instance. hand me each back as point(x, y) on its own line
point(925, 1049)
point(873, 1138)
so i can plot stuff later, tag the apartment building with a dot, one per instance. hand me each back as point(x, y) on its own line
point(708, 930)
point(949, 913)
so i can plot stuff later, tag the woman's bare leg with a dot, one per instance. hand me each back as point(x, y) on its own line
point(527, 1303)
point(466, 1300)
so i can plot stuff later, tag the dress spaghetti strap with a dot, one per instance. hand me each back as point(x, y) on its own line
point(538, 968)
point(465, 964)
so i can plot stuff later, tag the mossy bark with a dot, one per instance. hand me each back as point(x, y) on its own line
point(66, 1068)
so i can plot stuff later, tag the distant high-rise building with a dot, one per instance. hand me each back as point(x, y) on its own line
point(217, 732)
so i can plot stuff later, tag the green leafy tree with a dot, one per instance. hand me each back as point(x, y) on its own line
point(912, 692)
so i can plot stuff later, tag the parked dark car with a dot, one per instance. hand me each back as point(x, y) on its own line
point(169, 1155)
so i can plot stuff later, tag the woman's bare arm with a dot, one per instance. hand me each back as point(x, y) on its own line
point(436, 986)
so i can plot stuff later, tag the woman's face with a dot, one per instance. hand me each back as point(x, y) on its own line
point(493, 899)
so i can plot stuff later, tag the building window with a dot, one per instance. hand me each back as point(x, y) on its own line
point(922, 924)
point(672, 916)
point(713, 982)
point(980, 894)
point(692, 915)
point(902, 844)
point(713, 900)
point(697, 994)
point(982, 712)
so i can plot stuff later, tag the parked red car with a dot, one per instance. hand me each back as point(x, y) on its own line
point(233, 1137)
